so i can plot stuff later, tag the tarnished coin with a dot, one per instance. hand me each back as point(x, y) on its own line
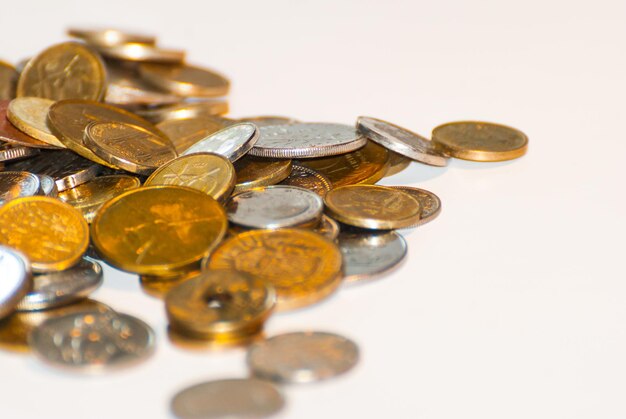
point(302, 357)
point(64, 71)
point(233, 398)
point(184, 110)
point(209, 173)
point(303, 266)
point(365, 166)
point(401, 141)
point(8, 81)
point(232, 142)
point(110, 37)
point(305, 140)
point(185, 80)
point(56, 289)
point(253, 172)
point(47, 186)
point(430, 203)
point(29, 115)
point(15, 281)
point(266, 120)
point(126, 88)
point(17, 184)
point(128, 147)
point(397, 163)
point(135, 51)
point(51, 234)
point(158, 229)
point(373, 207)
point(328, 228)
point(93, 341)
point(275, 206)
point(303, 177)
point(370, 253)
point(480, 141)
point(12, 135)
point(9, 152)
point(185, 132)
point(89, 197)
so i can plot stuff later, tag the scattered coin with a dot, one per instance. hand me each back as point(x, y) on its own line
point(10, 152)
point(266, 120)
point(430, 203)
point(17, 184)
point(16, 279)
point(185, 132)
point(135, 51)
point(303, 177)
point(302, 357)
point(184, 110)
point(159, 286)
point(397, 163)
point(328, 228)
point(253, 172)
point(110, 37)
point(47, 186)
point(28, 114)
point(11, 135)
point(185, 80)
point(232, 142)
point(126, 88)
point(367, 254)
point(8, 81)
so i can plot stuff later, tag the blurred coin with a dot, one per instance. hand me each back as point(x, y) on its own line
point(125, 87)
point(12, 135)
point(401, 141)
point(17, 184)
point(430, 203)
point(134, 51)
point(159, 286)
point(232, 142)
point(328, 228)
point(185, 80)
point(184, 133)
point(266, 120)
point(480, 141)
point(302, 357)
point(370, 253)
point(56, 289)
point(184, 110)
point(8, 80)
point(47, 186)
point(253, 172)
point(70, 70)
point(306, 178)
point(29, 114)
point(305, 140)
point(397, 163)
point(110, 37)
point(10, 152)
point(15, 281)
point(232, 398)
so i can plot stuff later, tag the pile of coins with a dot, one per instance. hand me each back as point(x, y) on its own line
point(115, 149)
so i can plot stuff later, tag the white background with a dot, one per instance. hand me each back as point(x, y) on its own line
point(510, 305)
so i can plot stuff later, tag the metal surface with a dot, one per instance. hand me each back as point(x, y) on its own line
point(232, 142)
point(17, 184)
point(367, 254)
point(15, 281)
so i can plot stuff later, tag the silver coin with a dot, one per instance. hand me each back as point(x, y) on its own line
point(302, 357)
point(92, 341)
point(67, 168)
point(10, 152)
point(263, 121)
point(232, 142)
point(275, 206)
point(369, 253)
point(430, 203)
point(401, 140)
point(231, 398)
point(55, 289)
point(47, 186)
point(328, 228)
point(17, 184)
point(15, 281)
point(307, 140)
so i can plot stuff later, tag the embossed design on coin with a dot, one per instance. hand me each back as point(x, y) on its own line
point(185, 132)
point(370, 253)
point(430, 203)
point(28, 114)
point(253, 172)
point(185, 80)
point(232, 142)
point(15, 281)
point(303, 177)
point(17, 184)
point(302, 357)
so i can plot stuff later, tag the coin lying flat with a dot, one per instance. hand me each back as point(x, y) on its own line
point(480, 141)
point(158, 229)
point(305, 268)
point(15, 281)
point(185, 132)
point(10, 152)
point(51, 234)
point(374, 207)
point(183, 110)
point(126, 87)
point(159, 286)
point(8, 81)
point(29, 114)
point(430, 203)
point(135, 51)
point(233, 398)
point(232, 142)
point(47, 186)
point(305, 140)
point(56, 289)
point(64, 71)
point(266, 120)
point(110, 37)
point(253, 172)
point(17, 184)
point(370, 253)
point(302, 357)
point(92, 341)
point(303, 177)
point(275, 206)
point(12, 135)
point(185, 80)
point(397, 163)
point(209, 173)
point(401, 141)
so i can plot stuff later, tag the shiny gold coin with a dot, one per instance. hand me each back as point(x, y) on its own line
point(207, 172)
point(126, 88)
point(110, 37)
point(371, 206)
point(310, 179)
point(29, 114)
point(367, 165)
point(135, 51)
point(68, 119)
point(52, 234)
point(12, 135)
point(185, 80)
point(253, 172)
point(8, 81)
point(222, 342)
point(89, 197)
point(64, 71)
point(157, 230)
point(184, 133)
point(129, 147)
point(397, 163)
point(185, 110)
point(480, 141)
point(430, 203)
point(159, 286)
point(303, 266)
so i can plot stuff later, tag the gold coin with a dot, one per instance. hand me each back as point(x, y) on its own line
point(135, 51)
point(184, 133)
point(303, 266)
point(328, 228)
point(110, 37)
point(126, 88)
point(159, 286)
point(129, 147)
point(221, 342)
point(185, 110)
point(157, 230)
point(29, 114)
point(373, 207)
point(207, 172)
point(89, 197)
point(64, 71)
point(218, 303)
point(68, 119)
point(397, 163)
point(8, 81)
point(306, 178)
point(52, 234)
point(185, 80)
point(367, 165)
point(430, 203)
point(12, 135)
point(480, 141)
point(253, 172)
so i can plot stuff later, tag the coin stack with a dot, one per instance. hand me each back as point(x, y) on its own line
point(115, 141)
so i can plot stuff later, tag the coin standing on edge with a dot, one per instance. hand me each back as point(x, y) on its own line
point(15, 281)
point(232, 142)
point(370, 253)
